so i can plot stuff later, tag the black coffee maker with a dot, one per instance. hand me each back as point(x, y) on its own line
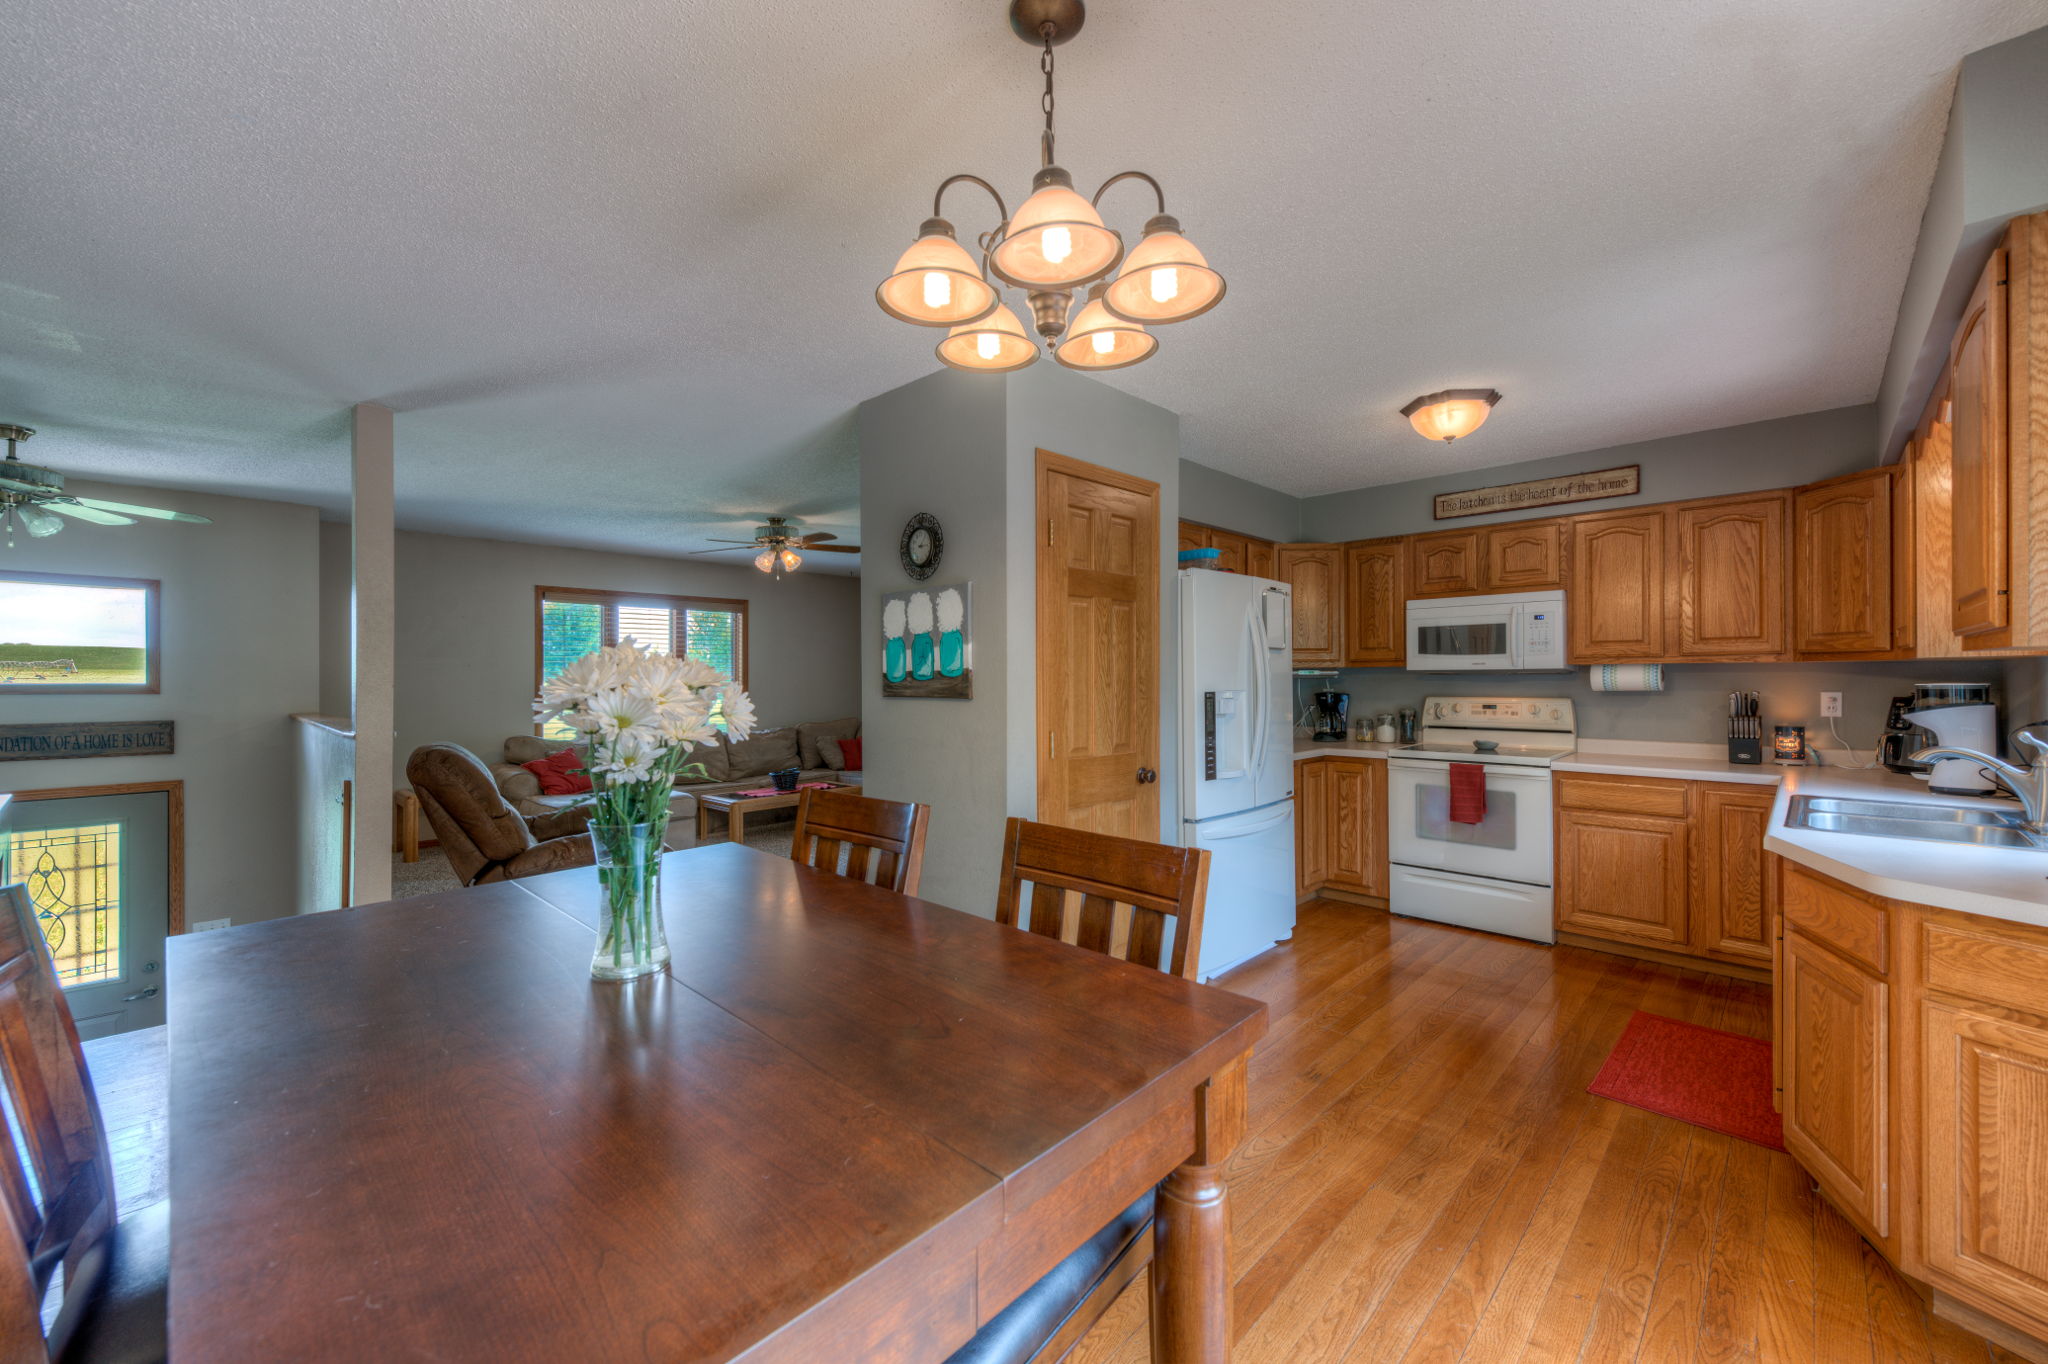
point(1332, 708)
point(1902, 738)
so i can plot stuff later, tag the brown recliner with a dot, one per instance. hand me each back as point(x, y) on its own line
point(485, 838)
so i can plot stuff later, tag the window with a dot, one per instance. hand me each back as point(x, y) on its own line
point(64, 633)
point(571, 622)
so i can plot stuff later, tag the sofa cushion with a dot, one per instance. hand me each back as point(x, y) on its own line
point(767, 751)
point(522, 749)
point(711, 757)
point(841, 755)
point(808, 734)
point(560, 773)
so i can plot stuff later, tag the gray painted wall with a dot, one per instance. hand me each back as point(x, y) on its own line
point(1731, 459)
point(1215, 498)
point(1993, 167)
point(465, 633)
point(961, 447)
point(239, 655)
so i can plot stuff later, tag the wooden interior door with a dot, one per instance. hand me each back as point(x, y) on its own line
point(1098, 648)
point(1986, 1103)
point(1977, 459)
point(1731, 578)
point(1837, 1048)
point(1618, 586)
point(1842, 579)
point(1734, 903)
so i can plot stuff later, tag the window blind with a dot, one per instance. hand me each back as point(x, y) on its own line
point(572, 622)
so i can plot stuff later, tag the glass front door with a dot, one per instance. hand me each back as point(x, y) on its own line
point(97, 869)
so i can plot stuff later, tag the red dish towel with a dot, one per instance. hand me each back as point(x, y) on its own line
point(1468, 793)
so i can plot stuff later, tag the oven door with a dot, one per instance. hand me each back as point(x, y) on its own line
point(1513, 842)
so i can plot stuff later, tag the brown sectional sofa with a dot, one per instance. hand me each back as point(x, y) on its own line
point(728, 767)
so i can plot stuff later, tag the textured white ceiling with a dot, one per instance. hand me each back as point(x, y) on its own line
point(614, 261)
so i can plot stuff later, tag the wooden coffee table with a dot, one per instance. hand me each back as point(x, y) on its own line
point(736, 808)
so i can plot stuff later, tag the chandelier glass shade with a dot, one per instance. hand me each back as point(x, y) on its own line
point(1054, 244)
point(993, 345)
point(1452, 413)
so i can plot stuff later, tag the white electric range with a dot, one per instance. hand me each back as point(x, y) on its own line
point(1496, 874)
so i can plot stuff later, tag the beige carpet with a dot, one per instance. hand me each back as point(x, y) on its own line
point(431, 874)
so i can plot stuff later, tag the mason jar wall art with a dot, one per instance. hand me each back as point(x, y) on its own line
point(927, 643)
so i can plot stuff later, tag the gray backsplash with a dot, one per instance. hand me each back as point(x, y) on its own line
point(1693, 708)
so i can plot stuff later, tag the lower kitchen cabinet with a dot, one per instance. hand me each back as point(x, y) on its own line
point(1734, 896)
point(1622, 877)
point(1834, 1025)
point(1340, 827)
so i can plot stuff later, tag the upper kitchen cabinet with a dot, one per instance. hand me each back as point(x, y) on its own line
point(1617, 608)
point(1842, 594)
point(1446, 563)
point(1232, 551)
point(1258, 559)
point(1731, 578)
point(1193, 536)
point(1375, 604)
point(1523, 556)
point(1979, 456)
point(1316, 573)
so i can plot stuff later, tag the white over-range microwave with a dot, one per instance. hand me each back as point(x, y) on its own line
point(1519, 632)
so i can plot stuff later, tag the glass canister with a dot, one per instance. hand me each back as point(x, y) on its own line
point(1406, 724)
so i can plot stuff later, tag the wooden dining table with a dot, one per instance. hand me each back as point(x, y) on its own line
point(844, 1125)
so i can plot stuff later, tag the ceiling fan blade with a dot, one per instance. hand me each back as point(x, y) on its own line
point(153, 513)
point(16, 485)
point(92, 514)
point(833, 549)
point(720, 540)
point(736, 545)
point(818, 536)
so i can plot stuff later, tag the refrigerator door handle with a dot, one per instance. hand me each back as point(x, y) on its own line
point(1286, 814)
point(1260, 700)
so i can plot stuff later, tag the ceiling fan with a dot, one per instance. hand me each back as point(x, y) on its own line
point(29, 493)
point(783, 545)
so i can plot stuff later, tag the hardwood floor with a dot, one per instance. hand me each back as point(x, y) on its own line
point(1426, 1178)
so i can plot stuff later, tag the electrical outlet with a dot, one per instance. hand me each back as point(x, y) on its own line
point(1830, 704)
point(209, 925)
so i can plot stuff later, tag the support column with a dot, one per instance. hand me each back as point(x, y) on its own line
point(372, 656)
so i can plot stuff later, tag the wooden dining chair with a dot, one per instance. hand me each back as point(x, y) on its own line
point(1115, 896)
point(882, 836)
point(60, 1200)
point(1107, 894)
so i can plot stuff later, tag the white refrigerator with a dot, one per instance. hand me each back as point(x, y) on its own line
point(1237, 758)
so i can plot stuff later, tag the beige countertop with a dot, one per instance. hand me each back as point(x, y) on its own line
point(1309, 748)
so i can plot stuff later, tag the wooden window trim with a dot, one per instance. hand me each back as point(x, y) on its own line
point(607, 597)
point(174, 839)
point(152, 618)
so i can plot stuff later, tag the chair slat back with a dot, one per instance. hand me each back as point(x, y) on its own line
point(56, 1181)
point(853, 835)
point(1107, 894)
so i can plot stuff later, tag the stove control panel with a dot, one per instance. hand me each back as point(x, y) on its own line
point(1500, 712)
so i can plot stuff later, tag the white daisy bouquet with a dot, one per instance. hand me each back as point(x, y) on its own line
point(640, 714)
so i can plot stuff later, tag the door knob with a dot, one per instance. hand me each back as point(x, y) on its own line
point(150, 993)
point(1146, 776)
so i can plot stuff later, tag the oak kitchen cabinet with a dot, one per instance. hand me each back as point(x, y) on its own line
point(1842, 595)
point(1375, 604)
point(1316, 573)
point(1340, 813)
point(1674, 866)
point(1618, 604)
point(1445, 563)
point(1520, 556)
point(1730, 576)
point(1979, 453)
point(1235, 553)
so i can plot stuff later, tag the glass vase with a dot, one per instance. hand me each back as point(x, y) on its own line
point(631, 941)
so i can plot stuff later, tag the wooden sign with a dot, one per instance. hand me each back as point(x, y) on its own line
point(86, 739)
point(1541, 492)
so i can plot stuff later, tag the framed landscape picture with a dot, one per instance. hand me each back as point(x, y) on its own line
point(60, 632)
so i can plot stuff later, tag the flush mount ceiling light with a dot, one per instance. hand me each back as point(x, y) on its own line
point(1055, 243)
point(1450, 414)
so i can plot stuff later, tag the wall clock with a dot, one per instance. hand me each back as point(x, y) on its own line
point(922, 545)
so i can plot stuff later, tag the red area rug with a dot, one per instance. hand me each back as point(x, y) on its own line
point(1717, 1080)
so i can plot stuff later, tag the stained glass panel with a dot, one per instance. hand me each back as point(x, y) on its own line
point(74, 879)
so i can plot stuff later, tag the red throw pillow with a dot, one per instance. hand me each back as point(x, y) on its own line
point(849, 749)
point(558, 773)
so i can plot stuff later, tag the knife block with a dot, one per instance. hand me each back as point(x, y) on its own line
point(1748, 752)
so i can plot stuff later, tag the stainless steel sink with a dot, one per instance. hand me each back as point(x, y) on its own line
point(1928, 823)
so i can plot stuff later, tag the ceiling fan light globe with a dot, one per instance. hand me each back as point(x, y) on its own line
point(1164, 279)
point(765, 561)
point(38, 522)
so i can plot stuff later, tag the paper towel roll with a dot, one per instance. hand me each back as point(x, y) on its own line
point(1626, 676)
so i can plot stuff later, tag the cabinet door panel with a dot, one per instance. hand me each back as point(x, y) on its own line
point(1311, 825)
point(1258, 559)
point(1985, 1098)
point(1622, 877)
point(1375, 609)
point(1842, 580)
point(1525, 556)
point(1617, 605)
point(1231, 550)
point(1193, 536)
point(1315, 572)
point(1444, 564)
point(1734, 903)
point(1836, 1086)
point(1977, 459)
point(1731, 578)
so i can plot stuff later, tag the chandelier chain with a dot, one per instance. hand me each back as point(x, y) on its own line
point(1046, 100)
